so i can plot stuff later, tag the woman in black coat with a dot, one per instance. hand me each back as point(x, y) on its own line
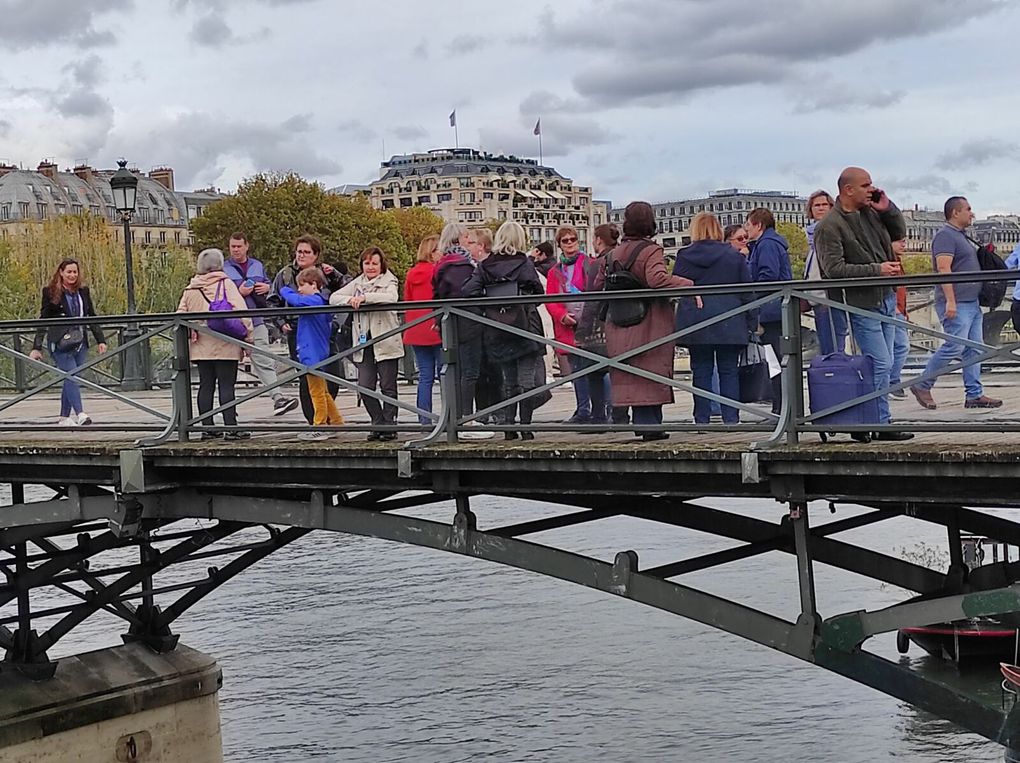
point(67, 297)
point(509, 272)
point(710, 261)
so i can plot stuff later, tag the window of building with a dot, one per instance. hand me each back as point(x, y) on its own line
point(5, 212)
point(387, 204)
point(668, 243)
point(406, 201)
point(444, 197)
point(504, 197)
point(424, 199)
point(672, 212)
point(41, 209)
point(487, 196)
point(76, 209)
point(23, 208)
point(740, 205)
point(162, 237)
point(177, 237)
point(467, 198)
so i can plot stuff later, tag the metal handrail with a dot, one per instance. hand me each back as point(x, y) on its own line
point(446, 423)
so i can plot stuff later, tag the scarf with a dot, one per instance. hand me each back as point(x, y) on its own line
point(460, 251)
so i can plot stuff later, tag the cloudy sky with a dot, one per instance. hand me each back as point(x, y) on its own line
point(654, 99)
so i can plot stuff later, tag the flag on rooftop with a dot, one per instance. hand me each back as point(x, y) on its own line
point(538, 127)
point(453, 118)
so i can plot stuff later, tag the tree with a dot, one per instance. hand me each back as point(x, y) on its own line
point(493, 224)
point(274, 209)
point(416, 223)
point(797, 240)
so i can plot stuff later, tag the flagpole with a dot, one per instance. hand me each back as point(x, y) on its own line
point(540, 162)
point(456, 135)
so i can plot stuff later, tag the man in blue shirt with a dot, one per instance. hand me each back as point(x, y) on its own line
point(957, 307)
point(1013, 263)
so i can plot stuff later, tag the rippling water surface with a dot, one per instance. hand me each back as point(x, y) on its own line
point(341, 648)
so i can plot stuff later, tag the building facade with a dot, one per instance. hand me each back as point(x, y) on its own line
point(730, 205)
point(472, 187)
point(162, 214)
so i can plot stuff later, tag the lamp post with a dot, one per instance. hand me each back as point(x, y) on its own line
point(124, 186)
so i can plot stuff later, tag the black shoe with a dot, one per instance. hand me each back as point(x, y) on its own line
point(578, 419)
point(860, 436)
point(652, 436)
point(374, 436)
point(237, 436)
point(527, 435)
point(387, 436)
point(211, 435)
point(894, 436)
point(510, 436)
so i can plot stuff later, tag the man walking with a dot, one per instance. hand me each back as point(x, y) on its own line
point(249, 275)
point(957, 307)
point(855, 241)
point(769, 260)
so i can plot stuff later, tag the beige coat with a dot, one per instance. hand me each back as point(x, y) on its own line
point(205, 346)
point(378, 291)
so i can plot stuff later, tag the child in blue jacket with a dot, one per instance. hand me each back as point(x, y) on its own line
point(313, 345)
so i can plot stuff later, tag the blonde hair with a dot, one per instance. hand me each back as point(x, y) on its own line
point(484, 237)
point(811, 200)
point(706, 226)
point(426, 247)
point(510, 238)
point(453, 233)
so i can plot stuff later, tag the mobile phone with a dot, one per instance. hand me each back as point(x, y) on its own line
point(876, 196)
point(248, 284)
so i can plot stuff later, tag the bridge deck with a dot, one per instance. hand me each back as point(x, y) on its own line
point(976, 468)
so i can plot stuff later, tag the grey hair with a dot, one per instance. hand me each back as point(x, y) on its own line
point(208, 261)
point(453, 233)
point(510, 238)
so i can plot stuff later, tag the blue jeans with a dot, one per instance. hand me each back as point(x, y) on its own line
point(582, 393)
point(901, 348)
point(706, 359)
point(968, 325)
point(70, 393)
point(876, 339)
point(646, 414)
point(830, 323)
point(428, 358)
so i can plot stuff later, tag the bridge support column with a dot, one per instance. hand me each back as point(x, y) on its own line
point(124, 703)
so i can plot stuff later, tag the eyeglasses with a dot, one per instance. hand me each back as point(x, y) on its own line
point(739, 238)
point(568, 240)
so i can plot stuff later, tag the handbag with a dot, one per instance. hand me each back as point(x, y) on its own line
point(753, 374)
point(71, 340)
point(509, 315)
point(232, 327)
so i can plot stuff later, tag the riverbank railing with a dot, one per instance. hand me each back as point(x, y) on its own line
point(168, 411)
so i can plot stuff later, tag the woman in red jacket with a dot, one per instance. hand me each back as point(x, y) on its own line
point(424, 338)
point(567, 277)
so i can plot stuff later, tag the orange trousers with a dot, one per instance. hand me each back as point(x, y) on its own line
point(326, 411)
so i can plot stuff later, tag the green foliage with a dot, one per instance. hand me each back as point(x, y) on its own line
point(29, 259)
point(416, 223)
point(916, 264)
point(797, 240)
point(493, 224)
point(274, 209)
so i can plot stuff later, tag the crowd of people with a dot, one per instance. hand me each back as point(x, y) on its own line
point(498, 353)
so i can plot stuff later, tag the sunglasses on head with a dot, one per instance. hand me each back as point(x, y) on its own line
point(568, 240)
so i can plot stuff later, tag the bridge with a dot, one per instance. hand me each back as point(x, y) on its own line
point(112, 527)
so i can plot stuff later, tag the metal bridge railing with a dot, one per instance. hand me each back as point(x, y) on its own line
point(170, 412)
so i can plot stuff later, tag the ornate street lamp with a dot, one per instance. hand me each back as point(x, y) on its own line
point(124, 186)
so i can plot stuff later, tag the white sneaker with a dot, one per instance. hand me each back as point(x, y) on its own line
point(314, 436)
point(84, 419)
point(472, 431)
point(70, 421)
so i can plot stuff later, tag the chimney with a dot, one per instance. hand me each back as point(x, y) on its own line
point(47, 168)
point(5, 168)
point(84, 172)
point(164, 176)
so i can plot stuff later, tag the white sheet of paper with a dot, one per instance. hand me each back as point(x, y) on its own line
point(770, 355)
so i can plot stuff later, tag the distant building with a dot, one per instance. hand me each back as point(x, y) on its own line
point(162, 214)
point(730, 205)
point(922, 225)
point(469, 186)
point(1001, 230)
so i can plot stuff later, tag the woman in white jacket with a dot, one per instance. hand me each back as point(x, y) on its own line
point(377, 363)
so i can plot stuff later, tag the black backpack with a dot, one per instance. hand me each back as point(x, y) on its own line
point(992, 292)
point(625, 312)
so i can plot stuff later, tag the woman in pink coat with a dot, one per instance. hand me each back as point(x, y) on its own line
point(216, 358)
point(567, 277)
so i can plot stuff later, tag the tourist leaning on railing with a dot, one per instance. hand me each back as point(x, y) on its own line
point(509, 272)
point(830, 323)
point(424, 339)
point(215, 358)
point(709, 261)
point(648, 266)
point(67, 296)
point(377, 363)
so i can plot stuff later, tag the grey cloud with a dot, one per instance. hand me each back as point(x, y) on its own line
point(297, 123)
point(357, 131)
point(421, 50)
point(930, 183)
point(543, 102)
point(844, 98)
point(204, 143)
point(84, 103)
point(409, 132)
point(976, 153)
point(463, 44)
point(722, 43)
point(5, 128)
point(87, 72)
point(34, 23)
point(211, 31)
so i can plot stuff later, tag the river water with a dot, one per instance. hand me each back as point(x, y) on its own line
point(341, 648)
